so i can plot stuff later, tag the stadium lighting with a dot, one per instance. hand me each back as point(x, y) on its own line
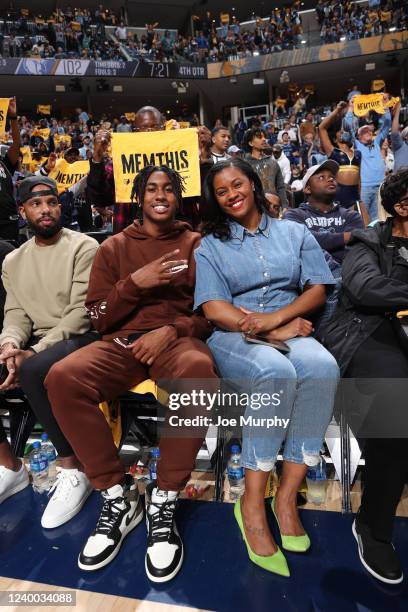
point(255, 53)
point(118, 88)
point(303, 42)
point(392, 29)
point(342, 38)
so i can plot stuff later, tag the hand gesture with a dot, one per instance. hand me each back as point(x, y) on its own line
point(341, 107)
point(101, 144)
point(157, 272)
point(52, 160)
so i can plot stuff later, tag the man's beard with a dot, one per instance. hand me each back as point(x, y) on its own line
point(45, 232)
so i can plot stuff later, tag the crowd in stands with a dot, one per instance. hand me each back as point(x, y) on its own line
point(62, 35)
point(296, 137)
point(80, 33)
point(341, 21)
point(89, 322)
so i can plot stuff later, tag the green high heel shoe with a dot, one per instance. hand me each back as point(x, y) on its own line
point(299, 544)
point(275, 563)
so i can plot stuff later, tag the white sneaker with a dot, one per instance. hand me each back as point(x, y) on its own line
point(121, 512)
point(164, 554)
point(12, 482)
point(71, 490)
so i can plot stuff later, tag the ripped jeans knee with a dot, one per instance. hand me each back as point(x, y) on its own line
point(301, 453)
point(310, 459)
point(264, 465)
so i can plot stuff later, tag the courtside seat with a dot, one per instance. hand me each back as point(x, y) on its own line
point(131, 413)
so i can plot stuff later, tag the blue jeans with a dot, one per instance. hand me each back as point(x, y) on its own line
point(369, 196)
point(304, 380)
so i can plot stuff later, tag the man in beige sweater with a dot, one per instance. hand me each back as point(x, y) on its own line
point(45, 320)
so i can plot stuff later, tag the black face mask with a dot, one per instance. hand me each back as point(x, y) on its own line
point(346, 139)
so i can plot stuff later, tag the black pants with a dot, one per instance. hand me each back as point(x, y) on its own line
point(386, 457)
point(32, 375)
point(9, 231)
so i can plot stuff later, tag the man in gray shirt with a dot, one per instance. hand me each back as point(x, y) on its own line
point(399, 141)
point(264, 165)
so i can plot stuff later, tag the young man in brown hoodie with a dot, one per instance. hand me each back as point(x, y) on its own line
point(140, 299)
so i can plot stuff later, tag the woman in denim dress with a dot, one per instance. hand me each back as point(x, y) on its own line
point(263, 276)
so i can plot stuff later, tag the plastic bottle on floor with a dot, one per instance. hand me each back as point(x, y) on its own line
point(39, 468)
point(48, 449)
point(153, 463)
point(235, 473)
point(316, 481)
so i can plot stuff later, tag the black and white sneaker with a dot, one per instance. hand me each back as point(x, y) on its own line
point(122, 510)
point(379, 558)
point(164, 555)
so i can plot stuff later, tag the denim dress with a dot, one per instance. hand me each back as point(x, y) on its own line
point(263, 272)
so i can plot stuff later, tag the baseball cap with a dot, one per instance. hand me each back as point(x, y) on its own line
point(27, 185)
point(297, 185)
point(233, 149)
point(329, 164)
point(363, 128)
point(353, 93)
point(277, 147)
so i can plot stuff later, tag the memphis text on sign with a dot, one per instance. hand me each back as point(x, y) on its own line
point(135, 162)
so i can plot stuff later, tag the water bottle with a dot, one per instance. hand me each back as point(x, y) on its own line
point(48, 449)
point(39, 468)
point(235, 474)
point(153, 463)
point(316, 481)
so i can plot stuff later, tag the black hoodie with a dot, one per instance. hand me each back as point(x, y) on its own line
point(373, 289)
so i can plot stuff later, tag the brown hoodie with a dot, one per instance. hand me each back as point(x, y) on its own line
point(118, 308)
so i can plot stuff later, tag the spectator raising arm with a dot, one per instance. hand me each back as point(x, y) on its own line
point(14, 150)
point(100, 187)
point(385, 128)
point(326, 123)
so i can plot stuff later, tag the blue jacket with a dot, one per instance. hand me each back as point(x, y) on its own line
point(372, 164)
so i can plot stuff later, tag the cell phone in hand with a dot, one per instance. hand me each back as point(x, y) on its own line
point(276, 344)
point(176, 268)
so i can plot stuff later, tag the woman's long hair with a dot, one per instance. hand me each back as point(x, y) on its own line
point(214, 220)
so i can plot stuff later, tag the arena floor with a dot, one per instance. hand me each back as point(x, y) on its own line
point(217, 574)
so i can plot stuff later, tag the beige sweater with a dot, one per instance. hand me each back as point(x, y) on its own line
point(46, 289)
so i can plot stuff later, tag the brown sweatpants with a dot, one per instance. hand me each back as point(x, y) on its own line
point(102, 371)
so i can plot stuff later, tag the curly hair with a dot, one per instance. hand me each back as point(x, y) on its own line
point(256, 132)
point(140, 183)
point(214, 220)
point(393, 189)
